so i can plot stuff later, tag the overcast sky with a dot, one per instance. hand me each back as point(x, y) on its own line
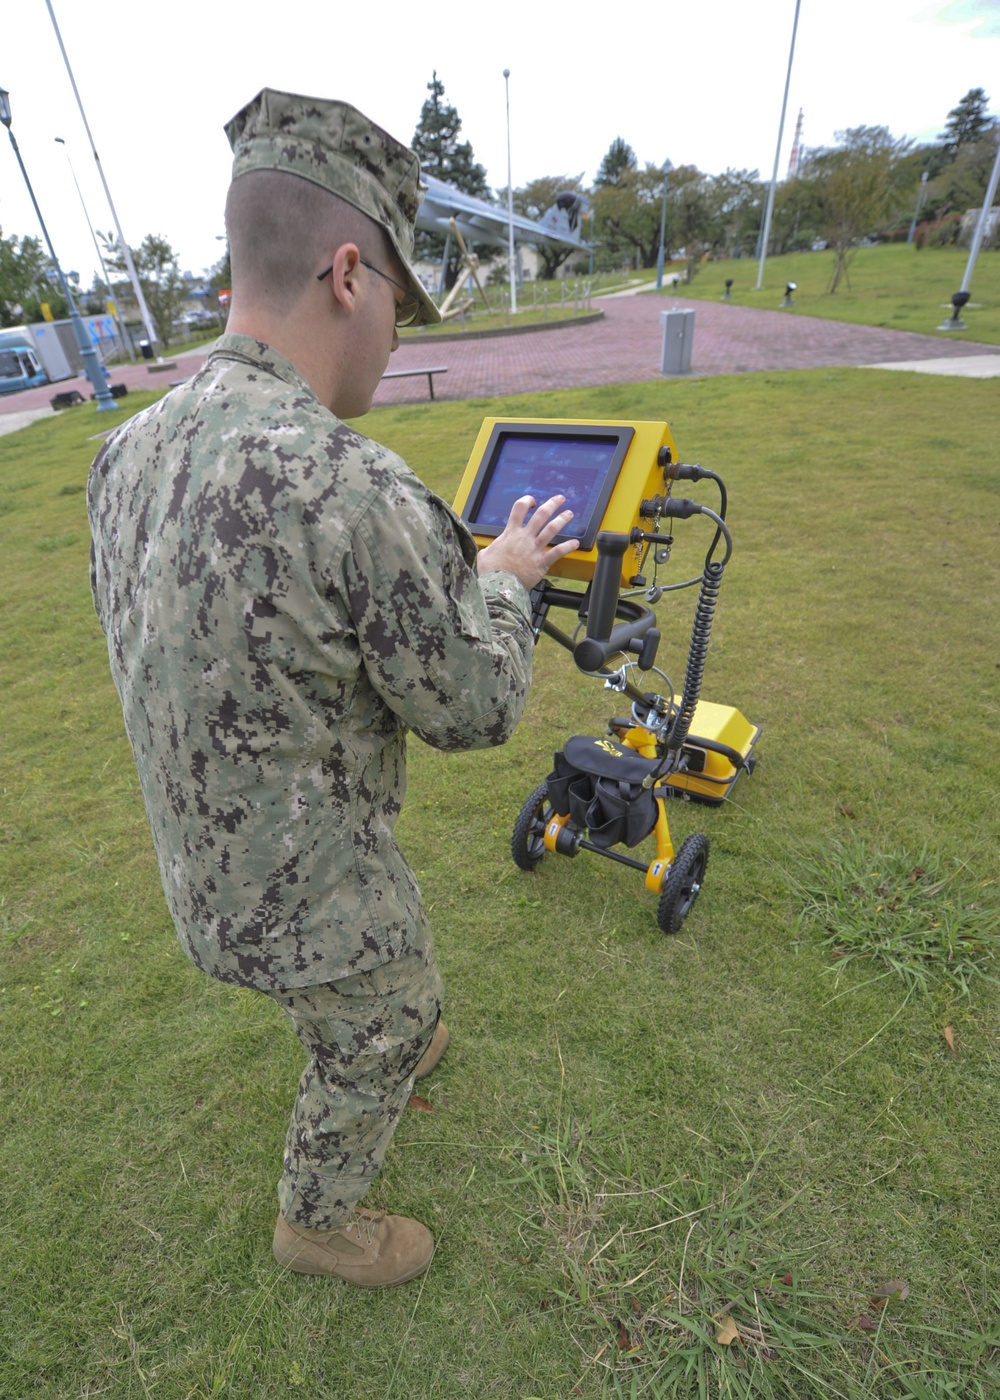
point(699, 84)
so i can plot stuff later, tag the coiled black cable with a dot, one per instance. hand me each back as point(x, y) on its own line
point(697, 652)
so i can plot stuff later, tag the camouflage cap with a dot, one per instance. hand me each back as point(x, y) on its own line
point(334, 145)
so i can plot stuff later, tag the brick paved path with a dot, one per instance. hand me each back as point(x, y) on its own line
point(622, 348)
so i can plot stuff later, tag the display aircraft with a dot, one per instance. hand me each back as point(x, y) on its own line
point(481, 222)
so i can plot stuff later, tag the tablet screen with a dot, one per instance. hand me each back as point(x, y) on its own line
point(579, 462)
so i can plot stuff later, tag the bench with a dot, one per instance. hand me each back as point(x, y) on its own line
point(66, 399)
point(409, 373)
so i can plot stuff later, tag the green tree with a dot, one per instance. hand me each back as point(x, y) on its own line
point(627, 217)
point(954, 168)
point(911, 166)
point(619, 162)
point(857, 183)
point(25, 273)
point(160, 278)
point(689, 216)
point(628, 210)
point(798, 219)
point(967, 122)
point(960, 177)
point(961, 185)
point(441, 153)
point(736, 202)
point(444, 156)
point(911, 191)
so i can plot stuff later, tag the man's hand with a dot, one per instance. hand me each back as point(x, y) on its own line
point(524, 548)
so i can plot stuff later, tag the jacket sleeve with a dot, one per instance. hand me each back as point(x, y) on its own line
point(449, 653)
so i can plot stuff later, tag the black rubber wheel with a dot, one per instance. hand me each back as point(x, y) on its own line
point(527, 845)
point(683, 885)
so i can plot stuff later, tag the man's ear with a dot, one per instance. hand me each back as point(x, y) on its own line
point(343, 279)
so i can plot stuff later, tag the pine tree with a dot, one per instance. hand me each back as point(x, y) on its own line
point(441, 153)
point(966, 122)
point(619, 160)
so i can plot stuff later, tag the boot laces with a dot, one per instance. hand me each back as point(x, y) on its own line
point(365, 1223)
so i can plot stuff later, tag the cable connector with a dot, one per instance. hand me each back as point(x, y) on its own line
point(681, 507)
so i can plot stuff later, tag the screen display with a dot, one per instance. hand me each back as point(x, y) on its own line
point(579, 464)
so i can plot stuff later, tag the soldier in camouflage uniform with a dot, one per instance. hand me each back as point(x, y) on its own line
point(283, 599)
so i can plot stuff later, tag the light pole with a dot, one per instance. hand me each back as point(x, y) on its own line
point(97, 249)
point(510, 206)
point(916, 209)
point(661, 255)
point(88, 354)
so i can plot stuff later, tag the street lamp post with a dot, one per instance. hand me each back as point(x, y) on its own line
point(88, 354)
point(661, 255)
point(126, 344)
point(916, 209)
point(510, 207)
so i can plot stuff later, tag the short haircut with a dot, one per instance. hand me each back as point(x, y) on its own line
point(280, 226)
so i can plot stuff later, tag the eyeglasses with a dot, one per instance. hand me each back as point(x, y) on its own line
point(407, 310)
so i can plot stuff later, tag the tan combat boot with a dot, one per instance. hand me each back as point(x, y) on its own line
point(370, 1250)
point(429, 1059)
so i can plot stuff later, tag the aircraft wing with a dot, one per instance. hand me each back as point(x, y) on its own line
point(481, 222)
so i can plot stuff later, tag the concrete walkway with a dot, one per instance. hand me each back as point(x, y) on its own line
point(969, 366)
point(622, 348)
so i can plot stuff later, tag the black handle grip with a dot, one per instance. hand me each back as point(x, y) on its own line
point(591, 655)
point(604, 587)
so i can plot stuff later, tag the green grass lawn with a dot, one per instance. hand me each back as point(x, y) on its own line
point(893, 285)
point(756, 1159)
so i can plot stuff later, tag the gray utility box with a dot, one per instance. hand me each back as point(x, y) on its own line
point(678, 340)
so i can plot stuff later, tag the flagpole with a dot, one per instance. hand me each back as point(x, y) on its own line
point(125, 250)
point(777, 153)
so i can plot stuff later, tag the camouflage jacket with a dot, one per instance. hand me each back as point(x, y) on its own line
point(283, 598)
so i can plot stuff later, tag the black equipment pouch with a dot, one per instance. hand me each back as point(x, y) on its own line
point(597, 783)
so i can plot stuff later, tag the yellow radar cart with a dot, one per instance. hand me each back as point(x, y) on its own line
point(614, 790)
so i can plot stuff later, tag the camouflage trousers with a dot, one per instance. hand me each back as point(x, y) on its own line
point(364, 1037)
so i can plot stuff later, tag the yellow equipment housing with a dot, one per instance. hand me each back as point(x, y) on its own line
point(625, 465)
point(715, 751)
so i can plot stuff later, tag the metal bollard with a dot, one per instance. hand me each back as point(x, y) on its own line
point(678, 341)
